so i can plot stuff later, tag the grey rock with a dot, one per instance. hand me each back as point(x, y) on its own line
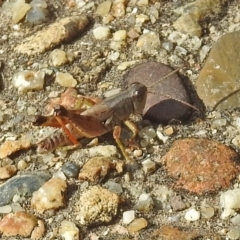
point(22, 185)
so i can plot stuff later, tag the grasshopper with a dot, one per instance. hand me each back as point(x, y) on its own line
point(97, 120)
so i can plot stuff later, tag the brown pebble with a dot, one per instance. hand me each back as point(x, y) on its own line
point(11, 146)
point(19, 223)
point(7, 171)
point(172, 233)
point(201, 165)
point(96, 169)
point(137, 224)
point(62, 31)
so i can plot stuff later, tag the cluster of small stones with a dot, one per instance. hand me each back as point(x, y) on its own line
point(139, 188)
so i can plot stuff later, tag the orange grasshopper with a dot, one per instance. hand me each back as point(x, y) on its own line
point(97, 120)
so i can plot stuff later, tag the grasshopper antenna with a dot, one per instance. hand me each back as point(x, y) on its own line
point(168, 96)
point(225, 98)
point(174, 71)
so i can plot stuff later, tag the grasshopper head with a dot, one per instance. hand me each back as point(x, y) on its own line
point(138, 94)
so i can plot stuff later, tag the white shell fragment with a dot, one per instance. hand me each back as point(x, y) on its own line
point(28, 80)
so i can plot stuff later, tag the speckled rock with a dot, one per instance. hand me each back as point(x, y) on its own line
point(192, 163)
point(96, 168)
point(97, 205)
point(21, 185)
point(220, 74)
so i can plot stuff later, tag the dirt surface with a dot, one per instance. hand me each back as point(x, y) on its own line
point(95, 75)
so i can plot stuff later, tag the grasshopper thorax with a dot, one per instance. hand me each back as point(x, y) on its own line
point(138, 93)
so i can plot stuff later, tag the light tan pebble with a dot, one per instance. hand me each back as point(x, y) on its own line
point(58, 57)
point(22, 165)
point(137, 153)
point(148, 42)
point(112, 92)
point(96, 169)
point(65, 80)
point(16, 207)
point(128, 216)
point(11, 146)
point(142, 2)
point(19, 10)
point(188, 24)
point(107, 19)
point(7, 171)
point(141, 18)
point(105, 151)
point(119, 8)
point(117, 45)
point(120, 35)
point(148, 166)
point(97, 205)
point(207, 212)
point(38, 231)
point(137, 225)
point(168, 131)
point(101, 32)
point(28, 80)
point(49, 196)
point(145, 203)
point(124, 65)
point(103, 8)
point(69, 231)
point(62, 31)
point(5, 209)
point(31, 110)
point(19, 223)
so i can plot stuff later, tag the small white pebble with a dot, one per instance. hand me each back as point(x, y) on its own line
point(128, 217)
point(124, 65)
point(5, 209)
point(101, 32)
point(148, 166)
point(192, 215)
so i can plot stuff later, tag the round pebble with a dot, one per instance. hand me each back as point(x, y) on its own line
point(192, 215)
point(71, 170)
point(101, 32)
point(128, 216)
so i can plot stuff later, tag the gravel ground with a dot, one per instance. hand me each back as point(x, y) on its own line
point(95, 64)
